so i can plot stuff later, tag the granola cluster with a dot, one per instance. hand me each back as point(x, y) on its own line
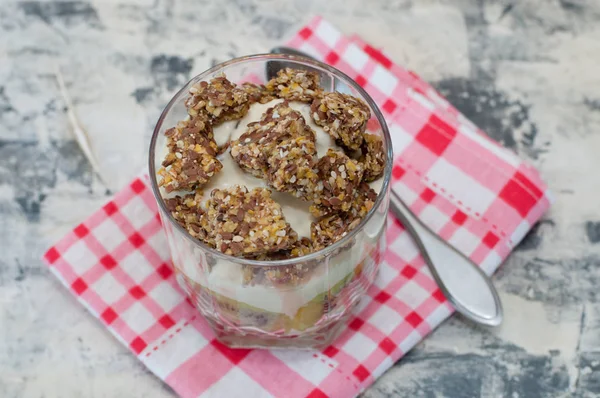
point(343, 116)
point(280, 148)
point(295, 85)
point(339, 177)
point(246, 223)
point(333, 226)
point(373, 157)
point(191, 160)
point(258, 93)
point(187, 212)
point(289, 275)
point(220, 100)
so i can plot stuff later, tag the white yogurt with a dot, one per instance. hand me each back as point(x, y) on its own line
point(226, 279)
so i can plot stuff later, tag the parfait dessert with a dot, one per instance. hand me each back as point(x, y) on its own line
point(268, 182)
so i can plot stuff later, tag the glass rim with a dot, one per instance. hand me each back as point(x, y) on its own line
point(300, 60)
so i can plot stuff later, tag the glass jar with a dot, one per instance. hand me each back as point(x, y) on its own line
point(306, 313)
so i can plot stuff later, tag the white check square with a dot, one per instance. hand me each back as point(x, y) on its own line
point(138, 318)
point(469, 131)
point(166, 296)
point(305, 364)
point(109, 288)
point(491, 262)
point(419, 98)
point(229, 386)
point(386, 319)
point(410, 341)
point(462, 186)
point(136, 266)
point(433, 218)
point(359, 346)
point(385, 275)
point(355, 57)
point(328, 33)
point(310, 50)
point(80, 257)
point(382, 367)
point(384, 80)
point(137, 212)
point(464, 241)
point(400, 139)
point(435, 97)
point(176, 350)
point(158, 242)
point(407, 195)
point(405, 247)
point(412, 294)
point(109, 234)
point(438, 315)
point(520, 232)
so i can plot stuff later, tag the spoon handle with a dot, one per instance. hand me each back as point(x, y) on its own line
point(463, 283)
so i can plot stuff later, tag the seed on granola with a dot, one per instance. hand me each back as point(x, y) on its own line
point(343, 116)
point(295, 85)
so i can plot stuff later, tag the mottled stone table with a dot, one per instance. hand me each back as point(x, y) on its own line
point(525, 71)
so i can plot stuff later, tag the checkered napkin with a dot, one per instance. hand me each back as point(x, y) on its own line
point(476, 195)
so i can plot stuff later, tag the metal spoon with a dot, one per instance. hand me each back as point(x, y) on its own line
point(464, 284)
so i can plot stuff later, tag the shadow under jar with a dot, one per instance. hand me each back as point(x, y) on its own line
point(305, 312)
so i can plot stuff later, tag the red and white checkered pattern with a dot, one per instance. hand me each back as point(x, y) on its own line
point(473, 193)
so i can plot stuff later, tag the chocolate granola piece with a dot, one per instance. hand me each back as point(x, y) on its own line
point(281, 149)
point(257, 93)
point(252, 149)
point(186, 210)
point(301, 247)
point(330, 229)
point(191, 160)
point(248, 152)
point(373, 157)
point(220, 100)
point(363, 200)
point(334, 225)
point(246, 223)
point(289, 122)
point(343, 116)
point(295, 85)
point(292, 166)
point(339, 176)
point(281, 275)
